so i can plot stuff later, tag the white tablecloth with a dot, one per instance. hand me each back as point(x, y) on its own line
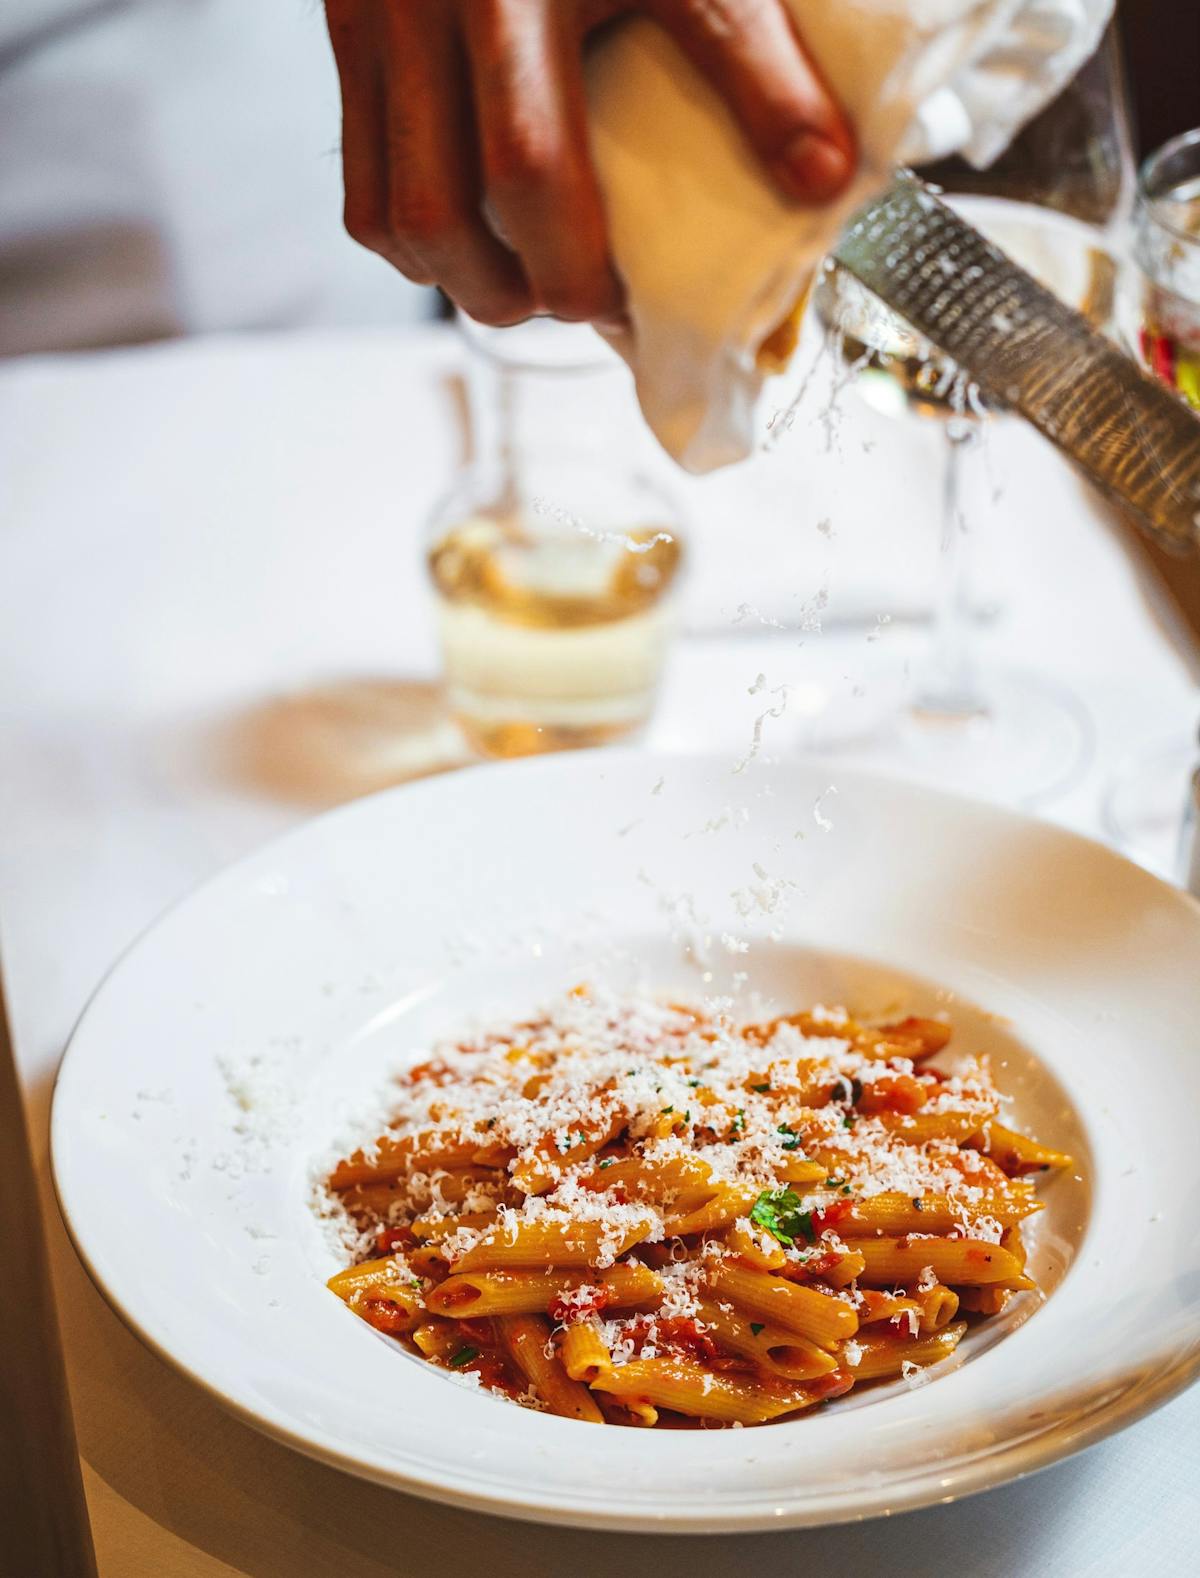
point(212, 615)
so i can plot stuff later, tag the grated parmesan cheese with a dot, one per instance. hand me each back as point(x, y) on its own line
point(550, 1101)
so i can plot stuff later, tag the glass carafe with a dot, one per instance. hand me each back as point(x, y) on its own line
point(554, 555)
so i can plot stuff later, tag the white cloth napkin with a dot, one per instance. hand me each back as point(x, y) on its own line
point(712, 256)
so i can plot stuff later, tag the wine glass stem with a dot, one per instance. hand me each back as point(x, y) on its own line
point(946, 684)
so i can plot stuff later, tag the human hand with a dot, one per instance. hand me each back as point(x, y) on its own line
point(465, 142)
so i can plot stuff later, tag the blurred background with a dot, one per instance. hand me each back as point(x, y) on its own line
point(171, 167)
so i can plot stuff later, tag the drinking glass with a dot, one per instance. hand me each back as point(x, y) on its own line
point(553, 556)
point(1055, 202)
point(1160, 320)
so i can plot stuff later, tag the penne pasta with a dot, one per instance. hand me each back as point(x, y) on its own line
point(688, 1388)
point(1016, 1153)
point(719, 1212)
point(632, 1213)
point(427, 1260)
point(897, 1214)
point(378, 1293)
point(759, 1248)
point(635, 1411)
point(373, 1201)
point(460, 1184)
point(844, 1267)
point(681, 1182)
point(414, 1153)
point(939, 1306)
point(874, 1308)
point(435, 1227)
point(985, 1301)
point(957, 1261)
point(583, 1353)
point(922, 1127)
point(779, 1352)
point(438, 1339)
point(470, 1294)
point(527, 1339)
point(542, 1243)
point(798, 1170)
point(547, 1165)
point(888, 1354)
point(790, 1305)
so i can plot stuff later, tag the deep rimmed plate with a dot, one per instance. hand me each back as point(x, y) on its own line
point(236, 1040)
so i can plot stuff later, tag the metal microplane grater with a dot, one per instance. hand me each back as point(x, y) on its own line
point(1027, 349)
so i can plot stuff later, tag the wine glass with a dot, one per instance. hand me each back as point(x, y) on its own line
point(1159, 311)
point(1054, 201)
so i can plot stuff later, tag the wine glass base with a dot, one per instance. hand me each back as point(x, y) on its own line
point(1028, 741)
point(1143, 805)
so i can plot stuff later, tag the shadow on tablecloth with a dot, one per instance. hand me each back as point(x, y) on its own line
point(331, 743)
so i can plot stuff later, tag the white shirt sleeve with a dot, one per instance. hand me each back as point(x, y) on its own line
point(712, 256)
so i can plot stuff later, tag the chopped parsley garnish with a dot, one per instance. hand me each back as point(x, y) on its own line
point(608, 1161)
point(739, 1121)
point(463, 1356)
point(761, 1088)
point(793, 1139)
point(666, 1110)
point(694, 1083)
point(848, 1121)
point(756, 1326)
point(778, 1212)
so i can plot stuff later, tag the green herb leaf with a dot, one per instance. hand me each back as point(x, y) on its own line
point(607, 1162)
point(777, 1211)
point(694, 1083)
point(666, 1110)
point(756, 1326)
point(761, 1088)
point(793, 1139)
point(834, 1183)
point(463, 1356)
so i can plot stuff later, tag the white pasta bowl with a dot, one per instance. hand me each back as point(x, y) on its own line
point(234, 1043)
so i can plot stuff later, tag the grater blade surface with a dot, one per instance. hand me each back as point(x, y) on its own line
point(1028, 350)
